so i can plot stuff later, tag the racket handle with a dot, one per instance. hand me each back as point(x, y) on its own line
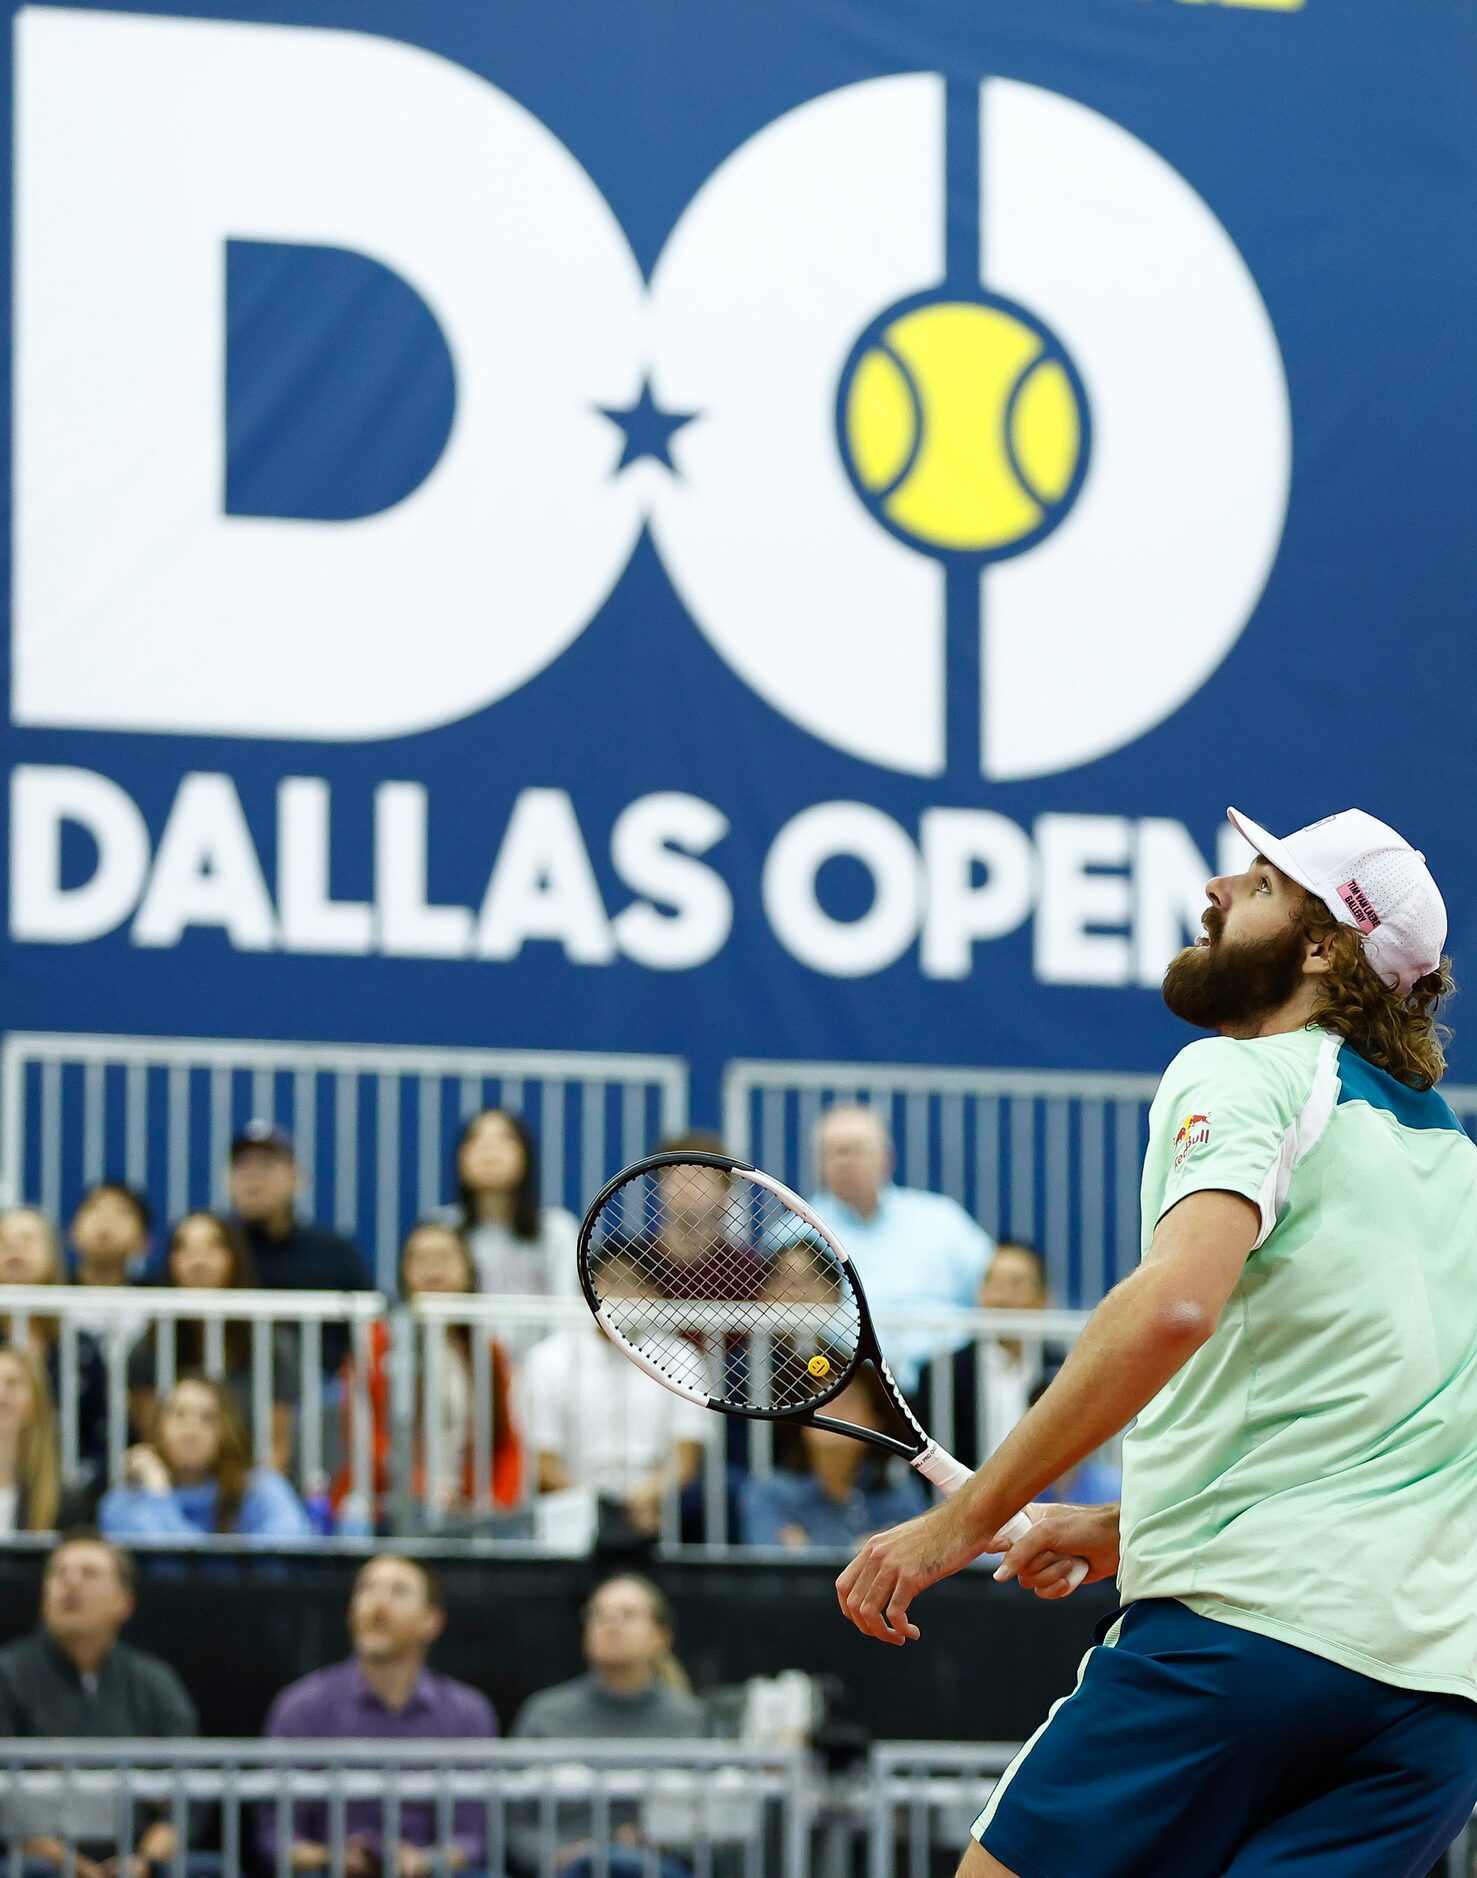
point(949, 1475)
point(941, 1469)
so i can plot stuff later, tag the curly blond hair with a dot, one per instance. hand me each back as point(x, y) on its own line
point(1396, 1031)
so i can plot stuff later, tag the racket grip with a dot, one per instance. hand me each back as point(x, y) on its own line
point(941, 1470)
point(949, 1475)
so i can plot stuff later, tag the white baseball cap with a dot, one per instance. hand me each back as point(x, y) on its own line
point(1369, 878)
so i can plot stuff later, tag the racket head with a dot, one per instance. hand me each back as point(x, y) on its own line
point(675, 1236)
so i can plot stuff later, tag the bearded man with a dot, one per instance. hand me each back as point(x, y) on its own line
point(1291, 1684)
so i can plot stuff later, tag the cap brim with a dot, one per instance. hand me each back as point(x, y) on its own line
point(1271, 849)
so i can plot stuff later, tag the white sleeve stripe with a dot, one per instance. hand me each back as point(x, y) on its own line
point(1302, 1136)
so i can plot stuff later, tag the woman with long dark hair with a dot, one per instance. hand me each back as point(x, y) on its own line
point(829, 1489)
point(436, 1261)
point(518, 1245)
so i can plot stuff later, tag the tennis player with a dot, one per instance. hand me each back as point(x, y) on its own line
point(1290, 1685)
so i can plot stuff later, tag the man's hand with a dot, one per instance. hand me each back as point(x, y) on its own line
point(892, 1567)
point(54, 1852)
point(1060, 1535)
point(360, 1859)
point(155, 1847)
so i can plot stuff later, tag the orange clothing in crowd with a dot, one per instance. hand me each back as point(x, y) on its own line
point(507, 1448)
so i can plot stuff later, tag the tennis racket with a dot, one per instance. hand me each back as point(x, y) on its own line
point(726, 1288)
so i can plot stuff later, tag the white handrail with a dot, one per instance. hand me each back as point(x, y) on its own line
point(131, 1302)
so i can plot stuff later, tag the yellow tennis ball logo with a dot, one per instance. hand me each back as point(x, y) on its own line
point(963, 425)
point(819, 1366)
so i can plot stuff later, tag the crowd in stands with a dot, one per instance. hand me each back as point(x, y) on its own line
point(506, 1415)
point(73, 1677)
point(561, 1415)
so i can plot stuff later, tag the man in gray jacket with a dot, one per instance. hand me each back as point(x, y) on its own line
point(72, 1677)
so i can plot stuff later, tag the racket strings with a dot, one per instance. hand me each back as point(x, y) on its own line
point(721, 1286)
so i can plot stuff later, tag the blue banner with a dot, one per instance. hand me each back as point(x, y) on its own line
point(746, 531)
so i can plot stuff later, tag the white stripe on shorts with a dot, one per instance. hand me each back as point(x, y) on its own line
point(977, 1830)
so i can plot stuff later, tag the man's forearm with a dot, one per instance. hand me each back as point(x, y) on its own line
point(1132, 1344)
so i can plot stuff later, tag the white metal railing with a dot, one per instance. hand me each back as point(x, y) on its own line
point(732, 1449)
point(925, 1795)
point(103, 1326)
point(1052, 1157)
point(379, 1428)
point(716, 1805)
point(374, 1125)
point(723, 1808)
point(1049, 1157)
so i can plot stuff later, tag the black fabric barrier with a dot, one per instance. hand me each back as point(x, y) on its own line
point(990, 1661)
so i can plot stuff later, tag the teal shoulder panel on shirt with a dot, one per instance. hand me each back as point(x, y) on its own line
point(1360, 1081)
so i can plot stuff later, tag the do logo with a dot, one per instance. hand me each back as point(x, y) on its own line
point(1043, 446)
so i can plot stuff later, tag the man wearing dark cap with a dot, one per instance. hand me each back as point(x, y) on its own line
point(290, 1254)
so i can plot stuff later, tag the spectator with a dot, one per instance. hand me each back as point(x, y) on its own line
point(207, 1253)
point(698, 1253)
point(914, 1251)
point(74, 1679)
point(518, 1245)
point(1010, 1369)
point(31, 1254)
point(110, 1239)
point(829, 1489)
point(634, 1689)
point(435, 1260)
point(289, 1254)
point(30, 1466)
point(592, 1420)
point(198, 1477)
point(800, 1273)
point(383, 1692)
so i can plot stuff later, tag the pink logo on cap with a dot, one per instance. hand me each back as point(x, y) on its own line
point(1357, 900)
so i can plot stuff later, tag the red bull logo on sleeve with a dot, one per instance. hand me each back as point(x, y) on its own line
point(1194, 1133)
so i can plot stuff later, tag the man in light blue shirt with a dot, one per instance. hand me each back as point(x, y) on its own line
point(914, 1251)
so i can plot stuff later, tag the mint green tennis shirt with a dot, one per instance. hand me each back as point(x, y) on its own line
point(1311, 1472)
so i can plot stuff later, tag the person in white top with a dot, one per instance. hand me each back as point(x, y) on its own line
point(1014, 1281)
point(592, 1419)
point(518, 1245)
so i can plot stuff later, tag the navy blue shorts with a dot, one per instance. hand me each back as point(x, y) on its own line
point(1194, 1749)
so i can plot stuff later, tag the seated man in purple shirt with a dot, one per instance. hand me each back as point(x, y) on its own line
point(383, 1692)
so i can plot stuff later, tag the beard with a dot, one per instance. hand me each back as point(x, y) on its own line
point(1230, 984)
